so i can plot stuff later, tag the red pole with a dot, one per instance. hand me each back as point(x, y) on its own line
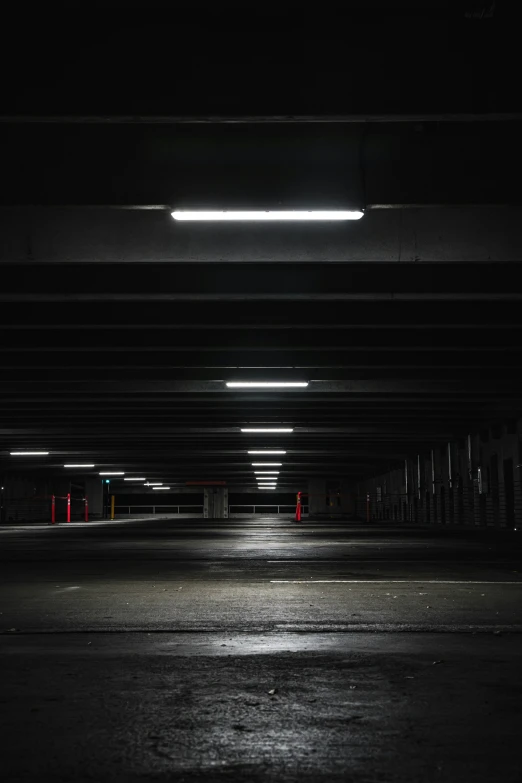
point(368, 507)
point(68, 507)
point(86, 509)
point(53, 510)
point(298, 508)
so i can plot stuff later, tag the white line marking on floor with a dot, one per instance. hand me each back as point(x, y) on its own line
point(347, 561)
point(312, 581)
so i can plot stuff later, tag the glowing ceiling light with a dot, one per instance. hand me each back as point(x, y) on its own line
point(79, 466)
point(112, 473)
point(29, 453)
point(266, 472)
point(267, 215)
point(265, 451)
point(142, 478)
point(153, 484)
point(267, 384)
point(267, 429)
point(160, 487)
point(267, 464)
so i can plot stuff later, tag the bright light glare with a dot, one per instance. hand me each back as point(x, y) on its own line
point(267, 385)
point(142, 478)
point(266, 472)
point(267, 429)
point(79, 466)
point(160, 487)
point(264, 451)
point(267, 464)
point(266, 215)
point(153, 484)
point(112, 473)
point(29, 453)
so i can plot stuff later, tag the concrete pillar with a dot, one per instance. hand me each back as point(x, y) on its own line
point(94, 492)
point(215, 503)
point(347, 499)
point(508, 475)
point(317, 499)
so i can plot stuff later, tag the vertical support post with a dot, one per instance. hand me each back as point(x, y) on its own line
point(367, 506)
point(68, 507)
point(298, 508)
point(86, 508)
point(53, 510)
point(112, 506)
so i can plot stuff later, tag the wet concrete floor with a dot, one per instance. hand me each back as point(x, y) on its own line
point(191, 650)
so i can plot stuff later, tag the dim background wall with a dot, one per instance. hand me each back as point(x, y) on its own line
point(475, 480)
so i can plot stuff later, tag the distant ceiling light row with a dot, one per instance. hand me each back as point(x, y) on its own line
point(267, 384)
point(267, 429)
point(29, 453)
point(112, 473)
point(160, 487)
point(267, 464)
point(267, 215)
point(266, 451)
point(80, 466)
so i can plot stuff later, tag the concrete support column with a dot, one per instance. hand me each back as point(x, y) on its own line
point(437, 493)
point(347, 499)
point(215, 503)
point(317, 496)
point(94, 492)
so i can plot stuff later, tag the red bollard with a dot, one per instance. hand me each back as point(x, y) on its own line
point(86, 509)
point(68, 507)
point(53, 510)
point(298, 508)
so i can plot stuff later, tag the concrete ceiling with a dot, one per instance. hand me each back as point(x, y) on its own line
point(120, 327)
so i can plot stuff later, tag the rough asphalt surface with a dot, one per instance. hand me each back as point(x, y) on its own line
point(260, 650)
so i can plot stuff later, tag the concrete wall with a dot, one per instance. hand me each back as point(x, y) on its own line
point(473, 481)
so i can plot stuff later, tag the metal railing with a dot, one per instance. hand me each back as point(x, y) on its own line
point(242, 510)
point(262, 508)
point(150, 510)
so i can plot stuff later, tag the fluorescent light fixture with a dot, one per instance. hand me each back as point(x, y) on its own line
point(153, 484)
point(268, 215)
point(264, 451)
point(142, 478)
point(266, 472)
point(267, 464)
point(267, 429)
point(112, 473)
point(29, 453)
point(271, 489)
point(267, 384)
point(160, 487)
point(79, 466)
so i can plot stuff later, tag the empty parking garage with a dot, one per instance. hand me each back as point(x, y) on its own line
point(260, 397)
